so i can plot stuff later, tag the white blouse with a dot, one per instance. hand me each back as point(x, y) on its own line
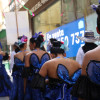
point(80, 56)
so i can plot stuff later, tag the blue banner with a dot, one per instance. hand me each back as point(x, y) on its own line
point(69, 31)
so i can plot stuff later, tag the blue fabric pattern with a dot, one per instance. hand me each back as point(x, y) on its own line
point(5, 83)
point(64, 74)
point(35, 94)
point(93, 71)
point(35, 60)
point(17, 92)
point(59, 92)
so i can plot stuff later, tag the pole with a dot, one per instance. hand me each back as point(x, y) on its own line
point(75, 8)
point(16, 18)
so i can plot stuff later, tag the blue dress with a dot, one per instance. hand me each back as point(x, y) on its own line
point(17, 92)
point(35, 65)
point(88, 87)
point(5, 83)
point(59, 89)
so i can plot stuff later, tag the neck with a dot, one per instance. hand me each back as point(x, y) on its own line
point(60, 55)
point(37, 48)
point(23, 49)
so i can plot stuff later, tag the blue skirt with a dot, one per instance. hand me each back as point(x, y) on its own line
point(17, 92)
point(5, 83)
point(60, 92)
point(32, 94)
point(57, 92)
point(85, 89)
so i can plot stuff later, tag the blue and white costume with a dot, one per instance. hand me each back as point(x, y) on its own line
point(35, 65)
point(88, 87)
point(59, 89)
point(17, 92)
point(5, 83)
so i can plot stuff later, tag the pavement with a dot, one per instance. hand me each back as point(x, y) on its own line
point(4, 98)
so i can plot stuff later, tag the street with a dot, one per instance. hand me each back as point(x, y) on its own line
point(4, 98)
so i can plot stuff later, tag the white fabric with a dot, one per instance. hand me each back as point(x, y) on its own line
point(11, 28)
point(80, 56)
point(12, 59)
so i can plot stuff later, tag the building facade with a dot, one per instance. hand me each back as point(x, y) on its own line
point(52, 14)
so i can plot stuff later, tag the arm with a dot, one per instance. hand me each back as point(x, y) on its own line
point(85, 63)
point(79, 57)
point(2, 53)
point(27, 64)
point(27, 58)
point(43, 70)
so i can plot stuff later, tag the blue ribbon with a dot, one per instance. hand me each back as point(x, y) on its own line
point(36, 35)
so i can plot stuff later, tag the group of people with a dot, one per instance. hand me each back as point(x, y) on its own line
point(39, 75)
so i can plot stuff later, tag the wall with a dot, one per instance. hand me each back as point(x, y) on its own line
point(48, 19)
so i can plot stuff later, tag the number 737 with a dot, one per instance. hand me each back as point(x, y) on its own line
point(76, 40)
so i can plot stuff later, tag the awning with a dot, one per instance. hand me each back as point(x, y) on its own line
point(39, 5)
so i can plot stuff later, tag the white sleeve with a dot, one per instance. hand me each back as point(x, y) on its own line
point(80, 56)
point(12, 60)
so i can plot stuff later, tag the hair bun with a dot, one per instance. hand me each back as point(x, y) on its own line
point(98, 10)
point(57, 44)
point(40, 38)
point(52, 40)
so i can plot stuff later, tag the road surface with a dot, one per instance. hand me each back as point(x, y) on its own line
point(4, 98)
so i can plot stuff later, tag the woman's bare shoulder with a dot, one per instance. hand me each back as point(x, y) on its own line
point(49, 62)
point(73, 62)
point(26, 52)
point(92, 53)
point(17, 54)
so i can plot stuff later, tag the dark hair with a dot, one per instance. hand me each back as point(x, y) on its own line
point(39, 40)
point(43, 48)
point(52, 40)
point(55, 49)
point(32, 40)
point(98, 18)
point(6, 57)
point(17, 49)
point(19, 37)
point(21, 45)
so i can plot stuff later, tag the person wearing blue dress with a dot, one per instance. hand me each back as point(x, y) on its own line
point(62, 73)
point(17, 92)
point(33, 63)
point(87, 86)
point(5, 82)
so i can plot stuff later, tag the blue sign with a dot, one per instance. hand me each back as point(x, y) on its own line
point(69, 32)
